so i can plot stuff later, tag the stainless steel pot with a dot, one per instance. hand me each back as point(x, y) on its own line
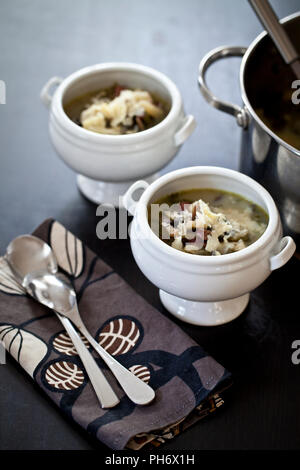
point(264, 155)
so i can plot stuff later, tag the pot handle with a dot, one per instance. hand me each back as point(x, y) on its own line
point(287, 248)
point(128, 202)
point(45, 93)
point(241, 114)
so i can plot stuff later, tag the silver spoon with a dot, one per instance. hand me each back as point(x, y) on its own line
point(30, 254)
point(56, 292)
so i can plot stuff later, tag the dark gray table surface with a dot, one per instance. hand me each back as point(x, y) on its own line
point(42, 39)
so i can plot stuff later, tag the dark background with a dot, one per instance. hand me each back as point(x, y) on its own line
point(42, 39)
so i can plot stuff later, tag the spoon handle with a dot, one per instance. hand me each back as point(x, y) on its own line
point(137, 390)
point(270, 22)
point(104, 391)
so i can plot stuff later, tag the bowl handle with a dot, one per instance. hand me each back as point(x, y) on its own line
point(45, 93)
point(287, 248)
point(128, 202)
point(241, 114)
point(186, 130)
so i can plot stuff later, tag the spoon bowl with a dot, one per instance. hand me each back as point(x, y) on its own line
point(53, 291)
point(28, 254)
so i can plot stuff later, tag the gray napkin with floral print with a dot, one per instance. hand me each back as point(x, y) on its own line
point(188, 382)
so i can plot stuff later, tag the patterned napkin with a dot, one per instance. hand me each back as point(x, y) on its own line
point(188, 382)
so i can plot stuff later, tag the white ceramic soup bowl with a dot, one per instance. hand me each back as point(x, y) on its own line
point(108, 164)
point(205, 290)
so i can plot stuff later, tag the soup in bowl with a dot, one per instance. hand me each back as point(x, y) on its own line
point(201, 289)
point(117, 110)
point(207, 222)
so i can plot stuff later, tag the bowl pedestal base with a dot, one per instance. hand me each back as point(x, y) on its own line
point(104, 192)
point(204, 313)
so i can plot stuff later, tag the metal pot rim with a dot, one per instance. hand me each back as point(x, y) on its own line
point(245, 99)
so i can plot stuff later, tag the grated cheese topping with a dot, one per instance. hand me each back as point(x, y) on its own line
point(118, 116)
point(197, 228)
